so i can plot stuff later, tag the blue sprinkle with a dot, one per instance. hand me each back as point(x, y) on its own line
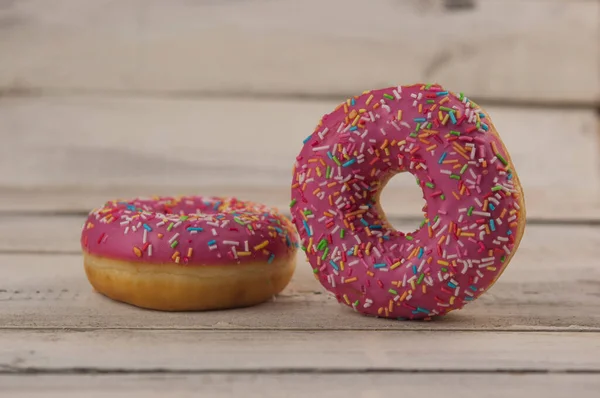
point(492, 225)
point(364, 222)
point(334, 265)
point(484, 126)
point(452, 117)
point(440, 93)
point(195, 229)
point(211, 242)
point(442, 157)
point(386, 237)
point(420, 253)
point(375, 226)
point(423, 310)
point(353, 128)
point(350, 252)
point(330, 155)
point(468, 298)
point(349, 162)
point(491, 206)
point(352, 102)
point(271, 257)
point(482, 115)
point(452, 285)
point(510, 176)
point(307, 139)
point(420, 119)
point(147, 227)
point(379, 265)
point(414, 268)
point(131, 207)
point(307, 228)
point(473, 288)
point(509, 232)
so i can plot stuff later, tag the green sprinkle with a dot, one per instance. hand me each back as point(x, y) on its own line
point(504, 162)
point(445, 108)
point(174, 244)
point(335, 159)
point(443, 197)
point(293, 203)
point(422, 223)
point(457, 133)
point(184, 218)
point(322, 244)
point(464, 168)
point(315, 270)
point(444, 269)
point(431, 101)
point(328, 172)
point(390, 97)
point(429, 185)
point(420, 279)
point(470, 211)
point(170, 227)
point(324, 256)
point(303, 248)
point(503, 258)
point(497, 188)
point(455, 176)
point(392, 291)
point(435, 218)
point(408, 237)
point(342, 233)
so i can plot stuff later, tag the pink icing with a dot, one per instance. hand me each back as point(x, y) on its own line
point(189, 231)
point(471, 215)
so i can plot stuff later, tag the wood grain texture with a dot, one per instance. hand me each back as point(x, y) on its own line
point(551, 284)
point(526, 50)
point(76, 153)
point(219, 351)
point(301, 385)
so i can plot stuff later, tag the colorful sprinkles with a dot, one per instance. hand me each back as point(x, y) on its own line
point(472, 215)
point(189, 231)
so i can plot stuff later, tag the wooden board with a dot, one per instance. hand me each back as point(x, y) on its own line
point(370, 385)
point(551, 284)
point(358, 351)
point(75, 153)
point(510, 50)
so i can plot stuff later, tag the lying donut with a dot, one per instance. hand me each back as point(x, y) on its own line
point(188, 253)
point(474, 213)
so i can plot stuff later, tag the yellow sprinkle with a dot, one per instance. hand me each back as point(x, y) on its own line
point(400, 114)
point(243, 253)
point(369, 99)
point(262, 245)
point(346, 298)
point(350, 280)
point(395, 265)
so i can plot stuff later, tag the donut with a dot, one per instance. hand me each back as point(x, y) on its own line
point(188, 253)
point(474, 216)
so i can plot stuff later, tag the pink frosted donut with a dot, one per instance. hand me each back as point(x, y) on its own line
point(188, 253)
point(474, 213)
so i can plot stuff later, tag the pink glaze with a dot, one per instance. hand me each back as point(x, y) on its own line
point(471, 215)
point(189, 231)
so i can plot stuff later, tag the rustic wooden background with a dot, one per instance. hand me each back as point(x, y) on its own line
point(102, 99)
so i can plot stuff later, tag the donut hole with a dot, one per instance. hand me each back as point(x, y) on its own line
point(402, 202)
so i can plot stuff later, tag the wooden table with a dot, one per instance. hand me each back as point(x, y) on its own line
point(102, 99)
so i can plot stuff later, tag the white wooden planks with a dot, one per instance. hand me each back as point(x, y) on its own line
point(523, 50)
point(551, 283)
point(219, 351)
point(74, 153)
point(370, 385)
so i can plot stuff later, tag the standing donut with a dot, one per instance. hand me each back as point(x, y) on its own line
point(474, 212)
point(188, 253)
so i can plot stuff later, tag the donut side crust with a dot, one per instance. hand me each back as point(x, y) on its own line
point(175, 287)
